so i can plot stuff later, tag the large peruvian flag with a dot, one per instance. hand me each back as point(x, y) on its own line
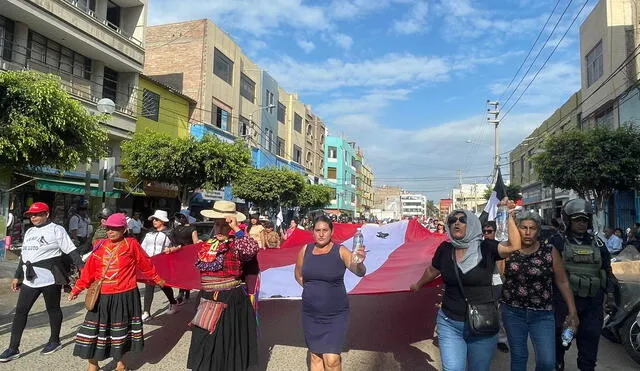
point(398, 255)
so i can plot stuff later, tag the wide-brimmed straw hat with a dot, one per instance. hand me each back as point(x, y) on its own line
point(160, 215)
point(223, 209)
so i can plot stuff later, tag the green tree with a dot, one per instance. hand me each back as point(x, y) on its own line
point(594, 163)
point(314, 196)
point(185, 162)
point(41, 125)
point(269, 188)
point(432, 209)
point(514, 192)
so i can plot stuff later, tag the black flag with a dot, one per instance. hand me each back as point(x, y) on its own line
point(499, 192)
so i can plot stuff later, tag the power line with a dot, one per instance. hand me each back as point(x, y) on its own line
point(538, 54)
point(547, 60)
point(532, 47)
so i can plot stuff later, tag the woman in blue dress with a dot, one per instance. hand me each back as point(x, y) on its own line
point(325, 307)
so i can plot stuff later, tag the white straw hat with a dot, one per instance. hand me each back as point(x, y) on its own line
point(160, 215)
point(223, 209)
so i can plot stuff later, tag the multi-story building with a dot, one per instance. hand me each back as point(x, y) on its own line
point(97, 49)
point(291, 137)
point(340, 174)
point(163, 109)
point(387, 203)
point(315, 132)
point(469, 197)
point(413, 205)
point(547, 201)
point(610, 68)
point(365, 190)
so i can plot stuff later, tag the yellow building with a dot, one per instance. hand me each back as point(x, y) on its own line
point(163, 109)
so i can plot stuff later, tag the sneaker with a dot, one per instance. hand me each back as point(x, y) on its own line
point(50, 348)
point(9, 355)
point(172, 308)
point(146, 317)
point(503, 347)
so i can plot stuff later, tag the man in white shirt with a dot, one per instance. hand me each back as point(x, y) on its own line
point(613, 242)
point(79, 226)
point(135, 225)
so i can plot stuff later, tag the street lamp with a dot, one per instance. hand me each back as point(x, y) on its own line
point(249, 130)
point(104, 106)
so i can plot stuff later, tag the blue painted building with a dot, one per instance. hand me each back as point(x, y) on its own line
point(340, 174)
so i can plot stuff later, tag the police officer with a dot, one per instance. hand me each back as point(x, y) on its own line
point(588, 266)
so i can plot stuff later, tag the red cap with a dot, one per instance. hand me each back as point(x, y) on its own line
point(118, 220)
point(37, 207)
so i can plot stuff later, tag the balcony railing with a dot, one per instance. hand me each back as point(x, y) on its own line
point(90, 13)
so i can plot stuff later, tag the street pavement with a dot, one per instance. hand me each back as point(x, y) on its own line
point(387, 332)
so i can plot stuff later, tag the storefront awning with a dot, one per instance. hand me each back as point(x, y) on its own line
point(71, 187)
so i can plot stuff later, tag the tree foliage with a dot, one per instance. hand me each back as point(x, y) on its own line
point(514, 192)
point(314, 196)
point(269, 188)
point(594, 162)
point(185, 162)
point(41, 125)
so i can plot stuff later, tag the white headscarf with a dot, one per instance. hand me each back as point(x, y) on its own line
point(470, 241)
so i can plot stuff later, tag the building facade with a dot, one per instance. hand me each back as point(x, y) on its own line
point(291, 137)
point(386, 203)
point(446, 207)
point(470, 197)
point(163, 109)
point(340, 174)
point(413, 205)
point(547, 201)
point(365, 190)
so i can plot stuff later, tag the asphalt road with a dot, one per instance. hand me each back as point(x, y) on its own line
point(387, 332)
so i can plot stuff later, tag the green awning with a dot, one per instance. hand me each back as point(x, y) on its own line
point(71, 187)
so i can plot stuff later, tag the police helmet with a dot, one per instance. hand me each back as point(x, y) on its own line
point(576, 208)
point(105, 213)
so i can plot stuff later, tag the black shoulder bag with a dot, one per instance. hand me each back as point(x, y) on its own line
point(480, 319)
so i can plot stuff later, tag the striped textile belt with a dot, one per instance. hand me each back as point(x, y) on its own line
point(217, 284)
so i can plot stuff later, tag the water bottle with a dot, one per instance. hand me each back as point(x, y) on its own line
point(567, 336)
point(502, 229)
point(358, 241)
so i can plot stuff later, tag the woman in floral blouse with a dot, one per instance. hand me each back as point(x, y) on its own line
point(527, 296)
point(233, 345)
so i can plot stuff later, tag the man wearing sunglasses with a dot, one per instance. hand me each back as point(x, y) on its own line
point(588, 265)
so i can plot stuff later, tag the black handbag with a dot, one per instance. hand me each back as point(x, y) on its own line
point(481, 319)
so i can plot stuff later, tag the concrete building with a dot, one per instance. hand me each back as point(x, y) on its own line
point(340, 174)
point(547, 201)
point(610, 92)
point(387, 203)
point(315, 134)
point(291, 136)
point(413, 205)
point(163, 109)
point(364, 200)
point(470, 197)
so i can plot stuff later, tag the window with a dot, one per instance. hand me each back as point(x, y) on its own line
point(87, 5)
point(331, 172)
point(150, 105)
point(113, 15)
point(322, 139)
point(280, 146)
point(297, 154)
point(594, 64)
point(353, 179)
point(353, 197)
point(308, 158)
point(282, 112)
point(269, 99)
point(243, 127)
point(247, 88)
point(219, 117)
point(56, 56)
point(6, 38)
point(310, 131)
point(267, 139)
point(333, 152)
point(222, 66)
point(297, 123)
point(110, 84)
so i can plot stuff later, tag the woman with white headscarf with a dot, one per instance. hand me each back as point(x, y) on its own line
point(475, 262)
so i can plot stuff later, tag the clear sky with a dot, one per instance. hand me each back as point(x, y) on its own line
point(408, 80)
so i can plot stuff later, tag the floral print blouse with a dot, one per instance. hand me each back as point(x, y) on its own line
point(529, 279)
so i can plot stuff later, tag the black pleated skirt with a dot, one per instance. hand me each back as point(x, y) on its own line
point(112, 328)
point(233, 346)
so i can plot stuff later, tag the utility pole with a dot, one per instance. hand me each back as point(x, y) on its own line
point(494, 118)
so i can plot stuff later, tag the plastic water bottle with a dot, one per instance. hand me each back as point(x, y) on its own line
point(502, 229)
point(567, 336)
point(358, 241)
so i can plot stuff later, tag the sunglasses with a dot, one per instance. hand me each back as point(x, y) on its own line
point(488, 231)
point(452, 219)
point(115, 228)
